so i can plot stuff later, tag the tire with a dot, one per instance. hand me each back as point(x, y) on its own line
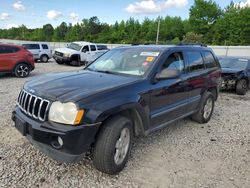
point(22, 70)
point(44, 58)
point(242, 87)
point(206, 109)
point(116, 133)
point(59, 62)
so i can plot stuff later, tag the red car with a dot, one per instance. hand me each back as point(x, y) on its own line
point(16, 60)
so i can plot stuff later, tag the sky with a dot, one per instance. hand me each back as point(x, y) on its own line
point(36, 13)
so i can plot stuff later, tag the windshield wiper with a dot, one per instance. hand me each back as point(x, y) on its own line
point(104, 71)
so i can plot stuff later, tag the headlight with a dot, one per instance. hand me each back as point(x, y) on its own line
point(66, 54)
point(66, 113)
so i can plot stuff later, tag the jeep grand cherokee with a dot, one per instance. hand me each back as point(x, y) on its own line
point(127, 92)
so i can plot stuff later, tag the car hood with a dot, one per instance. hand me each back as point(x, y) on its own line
point(231, 71)
point(66, 50)
point(74, 85)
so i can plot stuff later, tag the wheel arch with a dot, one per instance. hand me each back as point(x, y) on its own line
point(19, 62)
point(214, 91)
point(132, 111)
point(43, 55)
point(76, 57)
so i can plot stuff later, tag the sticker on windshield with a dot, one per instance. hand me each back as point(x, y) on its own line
point(154, 54)
point(150, 59)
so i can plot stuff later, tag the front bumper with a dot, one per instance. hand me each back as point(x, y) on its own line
point(77, 140)
point(227, 84)
point(62, 59)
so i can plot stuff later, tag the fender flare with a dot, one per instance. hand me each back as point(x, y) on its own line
point(25, 62)
point(135, 107)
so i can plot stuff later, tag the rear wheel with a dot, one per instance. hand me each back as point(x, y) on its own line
point(206, 109)
point(241, 87)
point(44, 58)
point(22, 70)
point(113, 145)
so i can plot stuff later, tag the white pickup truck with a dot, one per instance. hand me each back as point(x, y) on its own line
point(78, 53)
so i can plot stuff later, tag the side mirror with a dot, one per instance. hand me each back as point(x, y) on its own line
point(84, 50)
point(168, 74)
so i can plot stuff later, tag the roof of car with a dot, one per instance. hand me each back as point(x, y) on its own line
point(81, 43)
point(12, 45)
point(165, 47)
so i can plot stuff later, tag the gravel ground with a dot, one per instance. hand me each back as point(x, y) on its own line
point(185, 154)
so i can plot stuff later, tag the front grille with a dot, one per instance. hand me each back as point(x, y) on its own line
point(32, 105)
point(59, 53)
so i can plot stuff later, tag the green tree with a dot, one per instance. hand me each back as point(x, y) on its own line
point(48, 31)
point(60, 32)
point(203, 16)
point(192, 37)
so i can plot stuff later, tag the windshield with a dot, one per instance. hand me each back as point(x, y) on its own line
point(233, 63)
point(129, 61)
point(74, 46)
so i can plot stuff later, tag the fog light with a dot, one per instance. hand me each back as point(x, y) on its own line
point(60, 141)
point(57, 142)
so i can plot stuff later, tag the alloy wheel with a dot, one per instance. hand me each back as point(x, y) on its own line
point(122, 146)
point(208, 108)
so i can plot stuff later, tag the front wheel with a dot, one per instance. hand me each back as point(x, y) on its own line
point(113, 145)
point(241, 87)
point(22, 70)
point(59, 62)
point(206, 108)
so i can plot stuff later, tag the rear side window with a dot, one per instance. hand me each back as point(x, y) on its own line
point(195, 61)
point(209, 60)
point(45, 46)
point(31, 46)
point(92, 47)
point(8, 49)
point(102, 47)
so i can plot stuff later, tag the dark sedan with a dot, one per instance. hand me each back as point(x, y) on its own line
point(235, 74)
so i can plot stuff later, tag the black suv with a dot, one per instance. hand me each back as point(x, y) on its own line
point(127, 92)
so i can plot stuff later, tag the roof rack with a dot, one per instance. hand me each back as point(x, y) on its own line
point(192, 44)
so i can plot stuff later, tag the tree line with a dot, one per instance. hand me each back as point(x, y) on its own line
point(207, 23)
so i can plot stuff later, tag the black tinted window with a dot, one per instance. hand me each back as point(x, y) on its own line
point(195, 61)
point(92, 47)
point(102, 47)
point(31, 46)
point(175, 61)
point(8, 49)
point(209, 60)
point(45, 46)
point(85, 48)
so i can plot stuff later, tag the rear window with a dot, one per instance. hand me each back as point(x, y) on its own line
point(102, 47)
point(31, 46)
point(92, 47)
point(45, 46)
point(8, 49)
point(209, 60)
point(195, 61)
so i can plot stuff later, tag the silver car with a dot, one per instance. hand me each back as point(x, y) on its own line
point(40, 51)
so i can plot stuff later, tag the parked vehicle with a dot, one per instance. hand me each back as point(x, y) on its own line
point(235, 74)
point(40, 51)
point(127, 92)
point(78, 53)
point(16, 60)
